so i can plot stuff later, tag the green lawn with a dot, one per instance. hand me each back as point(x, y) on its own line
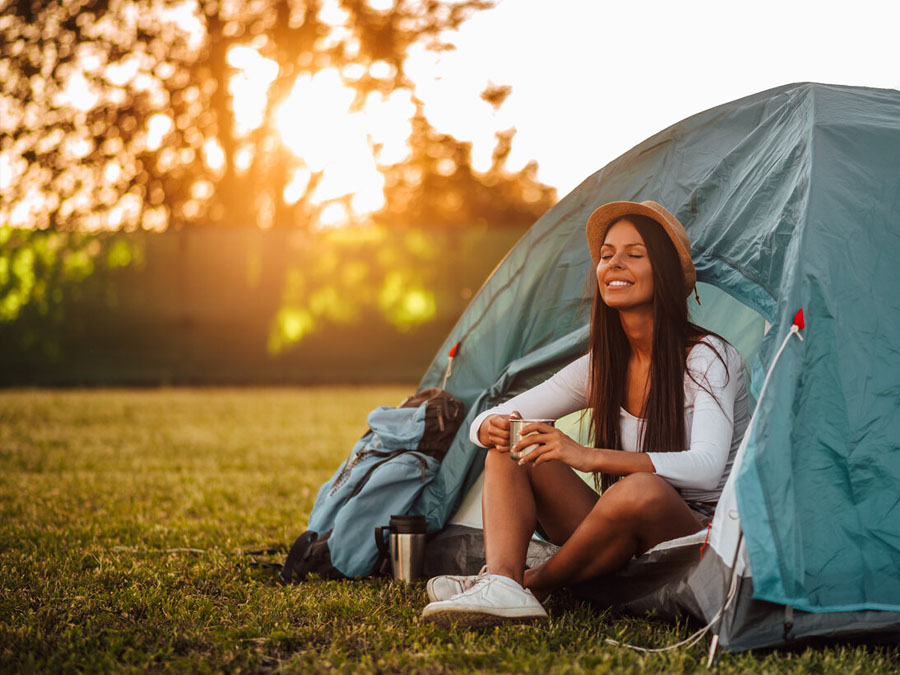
point(125, 513)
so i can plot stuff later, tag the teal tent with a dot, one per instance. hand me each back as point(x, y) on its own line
point(791, 198)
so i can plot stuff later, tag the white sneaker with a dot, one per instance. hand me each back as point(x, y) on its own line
point(446, 586)
point(485, 603)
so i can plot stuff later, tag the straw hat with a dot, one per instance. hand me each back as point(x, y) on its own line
point(607, 214)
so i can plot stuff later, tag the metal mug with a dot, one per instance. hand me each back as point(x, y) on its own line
point(405, 547)
point(515, 435)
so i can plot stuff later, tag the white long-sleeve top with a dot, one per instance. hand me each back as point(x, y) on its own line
point(716, 415)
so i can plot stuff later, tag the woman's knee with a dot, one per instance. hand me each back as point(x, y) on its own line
point(496, 462)
point(499, 465)
point(639, 494)
point(501, 461)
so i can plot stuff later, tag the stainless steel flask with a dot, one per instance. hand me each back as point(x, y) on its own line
point(404, 547)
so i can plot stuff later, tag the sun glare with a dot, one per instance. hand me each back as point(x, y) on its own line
point(78, 93)
point(213, 155)
point(294, 190)
point(186, 17)
point(158, 126)
point(316, 123)
point(249, 87)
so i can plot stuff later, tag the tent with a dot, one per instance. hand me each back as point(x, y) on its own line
point(791, 198)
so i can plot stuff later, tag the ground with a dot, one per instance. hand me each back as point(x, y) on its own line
point(124, 515)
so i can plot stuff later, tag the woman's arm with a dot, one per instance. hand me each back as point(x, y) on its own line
point(701, 465)
point(494, 432)
point(559, 395)
point(554, 444)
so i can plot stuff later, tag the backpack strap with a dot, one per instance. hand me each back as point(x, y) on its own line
point(266, 564)
point(296, 555)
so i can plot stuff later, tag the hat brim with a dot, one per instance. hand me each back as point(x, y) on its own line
point(604, 216)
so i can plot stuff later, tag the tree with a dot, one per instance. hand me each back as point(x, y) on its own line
point(436, 185)
point(126, 114)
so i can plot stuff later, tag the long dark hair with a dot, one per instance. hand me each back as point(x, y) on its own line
point(673, 336)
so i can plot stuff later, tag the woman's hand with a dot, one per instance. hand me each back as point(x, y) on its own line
point(494, 431)
point(554, 444)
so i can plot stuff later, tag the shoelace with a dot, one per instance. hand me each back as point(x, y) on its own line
point(482, 576)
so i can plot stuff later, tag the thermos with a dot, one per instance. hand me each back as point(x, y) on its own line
point(405, 546)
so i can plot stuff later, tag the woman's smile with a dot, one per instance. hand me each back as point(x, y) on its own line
point(624, 272)
point(619, 283)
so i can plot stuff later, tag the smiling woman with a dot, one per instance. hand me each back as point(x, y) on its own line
point(668, 407)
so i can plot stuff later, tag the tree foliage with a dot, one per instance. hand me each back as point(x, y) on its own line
point(125, 114)
point(437, 185)
point(43, 270)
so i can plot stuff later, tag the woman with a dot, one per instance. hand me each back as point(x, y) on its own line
point(669, 407)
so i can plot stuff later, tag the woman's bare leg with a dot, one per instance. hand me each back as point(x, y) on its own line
point(635, 514)
point(513, 499)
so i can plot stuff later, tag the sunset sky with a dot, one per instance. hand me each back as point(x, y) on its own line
point(592, 79)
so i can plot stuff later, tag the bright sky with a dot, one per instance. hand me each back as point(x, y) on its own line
point(591, 79)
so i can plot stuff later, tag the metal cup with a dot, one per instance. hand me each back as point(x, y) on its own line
point(515, 435)
point(405, 547)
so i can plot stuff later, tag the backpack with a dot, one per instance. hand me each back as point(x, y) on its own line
point(384, 474)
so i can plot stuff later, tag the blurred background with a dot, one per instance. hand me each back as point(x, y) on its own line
point(311, 191)
point(235, 192)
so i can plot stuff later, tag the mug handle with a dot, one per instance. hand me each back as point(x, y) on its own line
point(380, 542)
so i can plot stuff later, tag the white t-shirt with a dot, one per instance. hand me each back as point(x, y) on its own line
point(714, 422)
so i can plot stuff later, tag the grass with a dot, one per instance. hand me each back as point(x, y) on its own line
point(124, 514)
